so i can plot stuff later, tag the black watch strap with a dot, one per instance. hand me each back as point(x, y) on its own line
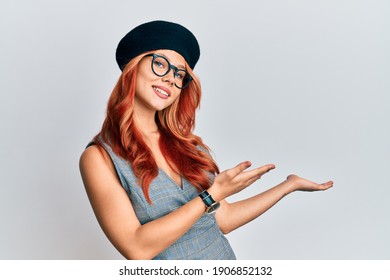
point(207, 198)
point(211, 205)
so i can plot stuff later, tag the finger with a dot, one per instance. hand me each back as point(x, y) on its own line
point(261, 171)
point(258, 172)
point(251, 181)
point(238, 168)
point(327, 185)
point(322, 187)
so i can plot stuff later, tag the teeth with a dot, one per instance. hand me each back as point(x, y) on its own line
point(161, 91)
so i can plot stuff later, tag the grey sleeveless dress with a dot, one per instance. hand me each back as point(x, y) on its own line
point(203, 241)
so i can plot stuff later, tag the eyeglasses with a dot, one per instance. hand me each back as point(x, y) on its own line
point(161, 67)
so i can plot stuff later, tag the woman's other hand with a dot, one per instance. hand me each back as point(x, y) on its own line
point(300, 184)
point(234, 180)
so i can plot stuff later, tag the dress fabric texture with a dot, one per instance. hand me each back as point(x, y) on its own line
point(204, 240)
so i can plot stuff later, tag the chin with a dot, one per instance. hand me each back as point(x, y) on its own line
point(160, 107)
point(157, 107)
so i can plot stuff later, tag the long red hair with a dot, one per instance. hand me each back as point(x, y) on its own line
point(185, 152)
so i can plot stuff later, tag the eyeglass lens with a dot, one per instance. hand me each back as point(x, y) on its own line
point(161, 67)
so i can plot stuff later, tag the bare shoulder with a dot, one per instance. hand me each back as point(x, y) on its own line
point(96, 166)
point(93, 157)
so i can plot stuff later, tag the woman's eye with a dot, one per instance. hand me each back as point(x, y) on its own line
point(179, 76)
point(158, 64)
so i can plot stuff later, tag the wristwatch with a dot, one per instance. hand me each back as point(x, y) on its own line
point(211, 205)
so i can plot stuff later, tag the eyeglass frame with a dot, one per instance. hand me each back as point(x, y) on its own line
point(170, 66)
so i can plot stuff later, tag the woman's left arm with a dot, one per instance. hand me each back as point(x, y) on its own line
point(231, 216)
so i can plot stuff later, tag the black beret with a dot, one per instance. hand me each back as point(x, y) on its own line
point(157, 35)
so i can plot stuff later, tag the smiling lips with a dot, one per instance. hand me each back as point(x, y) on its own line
point(162, 92)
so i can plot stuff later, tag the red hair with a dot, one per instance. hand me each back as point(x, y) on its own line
point(185, 152)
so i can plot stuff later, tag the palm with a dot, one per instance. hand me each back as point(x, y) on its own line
point(301, 184)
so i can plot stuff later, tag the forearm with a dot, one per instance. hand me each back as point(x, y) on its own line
point(234, 215)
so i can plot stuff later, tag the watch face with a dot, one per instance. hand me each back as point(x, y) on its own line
point(213, 207)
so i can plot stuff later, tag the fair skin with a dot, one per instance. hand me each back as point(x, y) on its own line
point(111, 203)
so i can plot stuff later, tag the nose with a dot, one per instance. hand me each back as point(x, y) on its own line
point(169, 77)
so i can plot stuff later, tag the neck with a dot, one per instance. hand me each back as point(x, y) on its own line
point(145, 121)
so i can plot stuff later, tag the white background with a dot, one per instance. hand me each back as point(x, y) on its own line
point(301, 84)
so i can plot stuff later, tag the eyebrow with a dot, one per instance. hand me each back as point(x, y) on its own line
point(179, 65)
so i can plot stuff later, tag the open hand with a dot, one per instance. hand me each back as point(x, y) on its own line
point(234, 180)
point(300, 184)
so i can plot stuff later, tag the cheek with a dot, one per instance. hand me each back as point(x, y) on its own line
point(174, 97)
point(143, 80)
point(176, 94)
point(139, 88)
point(145, 73)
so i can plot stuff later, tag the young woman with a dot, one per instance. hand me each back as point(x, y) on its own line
point(152, 183)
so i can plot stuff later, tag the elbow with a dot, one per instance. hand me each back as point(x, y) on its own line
point(225, 230)
point(137, 255)
point(140, 248)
